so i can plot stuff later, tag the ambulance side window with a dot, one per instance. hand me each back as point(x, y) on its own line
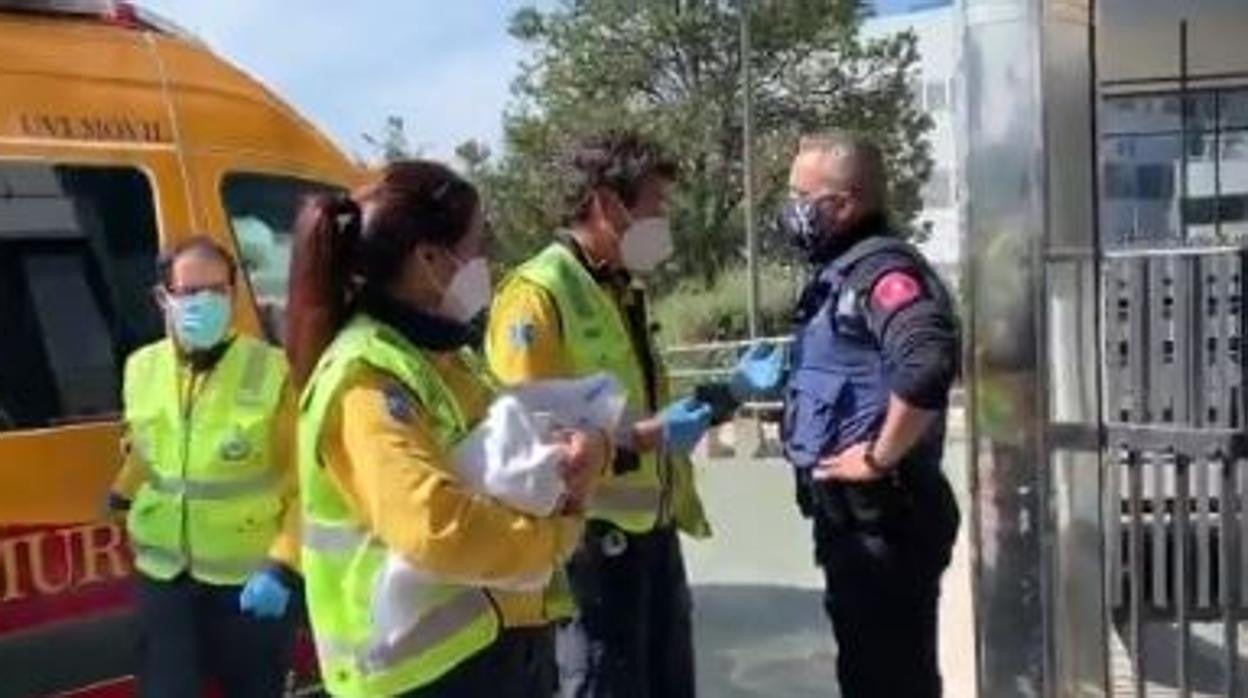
point(262, 209)
point(77, 256)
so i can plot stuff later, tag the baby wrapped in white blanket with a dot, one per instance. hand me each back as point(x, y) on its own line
point(513, 456)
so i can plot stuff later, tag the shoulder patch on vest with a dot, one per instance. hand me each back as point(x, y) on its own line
point(399, 403)
point(522, 334)
point(236, 447)
point(894, 291)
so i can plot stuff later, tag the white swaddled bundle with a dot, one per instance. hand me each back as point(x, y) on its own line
point(512, 455)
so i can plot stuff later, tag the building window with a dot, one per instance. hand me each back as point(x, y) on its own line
point(1234, 146)
point(1119, 181)
point(1141, 114)
point(1149, 196)
point(1233, 209)
point(1154, 182)
point(914, 85)
point(1233, 109)
point(938, 191)
point(78, 252)
point(1200, 210)
point(262, 209)
point(937, 96)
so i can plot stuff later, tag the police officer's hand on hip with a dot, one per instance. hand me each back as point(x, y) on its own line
point(875, 353)
point(868, 461)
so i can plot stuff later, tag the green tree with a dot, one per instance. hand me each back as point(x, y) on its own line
point(672, 68)
point(473, 156)
point(390, 144)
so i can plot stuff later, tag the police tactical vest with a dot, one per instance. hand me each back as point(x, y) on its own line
point(382, 626)
point(837, 394)
point(597, 338)
point(210, 504)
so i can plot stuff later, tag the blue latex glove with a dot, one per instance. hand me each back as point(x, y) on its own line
point(265, 595)
point(758, 371)
point(684, 422)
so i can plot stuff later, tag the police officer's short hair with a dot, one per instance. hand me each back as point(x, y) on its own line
point(620, 161)
point(196, 244)
point(870, 171)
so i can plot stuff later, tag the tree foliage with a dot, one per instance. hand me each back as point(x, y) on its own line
point(672, 69)
point(390, 143)
point(472, 156)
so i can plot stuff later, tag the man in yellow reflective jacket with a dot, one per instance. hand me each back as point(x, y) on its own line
point(574, 310)
point(209, 484)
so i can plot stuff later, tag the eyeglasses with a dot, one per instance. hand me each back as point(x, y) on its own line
point(186, 291)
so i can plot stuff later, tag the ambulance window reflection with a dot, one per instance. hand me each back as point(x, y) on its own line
point(77, 344)
point(77, 246)
point(262, 209)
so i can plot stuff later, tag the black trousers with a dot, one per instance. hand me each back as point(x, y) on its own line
point(190, 632)
point(634, 635)
point(520, 664)
point(883, 548)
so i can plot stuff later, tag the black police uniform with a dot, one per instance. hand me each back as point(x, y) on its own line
point(882, 545)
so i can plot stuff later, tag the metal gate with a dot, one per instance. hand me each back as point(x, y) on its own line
point(1104, 279)
point(1175, 416)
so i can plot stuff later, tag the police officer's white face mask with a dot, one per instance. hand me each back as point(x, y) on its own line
point(469, 291)
point(646, 244)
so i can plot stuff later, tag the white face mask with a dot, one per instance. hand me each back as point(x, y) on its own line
point(646, 244)
point(469, 291)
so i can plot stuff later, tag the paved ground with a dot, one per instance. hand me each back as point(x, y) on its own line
point(1161, 642)
point(760, 624)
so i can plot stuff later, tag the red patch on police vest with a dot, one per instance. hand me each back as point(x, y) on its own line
point(895, 290)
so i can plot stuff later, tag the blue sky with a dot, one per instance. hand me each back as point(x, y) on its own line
point(887, 7)
point(444, 66)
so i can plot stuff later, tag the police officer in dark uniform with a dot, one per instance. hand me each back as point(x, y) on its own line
point(876, 351)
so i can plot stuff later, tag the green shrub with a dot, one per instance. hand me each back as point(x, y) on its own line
point(692, 313)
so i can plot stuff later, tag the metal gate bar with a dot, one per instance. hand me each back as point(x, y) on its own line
point(1185, 450)
point(1182, 598)
point(1136, 563)
point(1229, 592)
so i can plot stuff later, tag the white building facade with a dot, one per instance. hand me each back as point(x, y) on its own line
point(934, 23)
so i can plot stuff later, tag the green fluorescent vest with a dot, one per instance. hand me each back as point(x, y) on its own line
point(382, 627)
point(595, 334)
point(210, 504)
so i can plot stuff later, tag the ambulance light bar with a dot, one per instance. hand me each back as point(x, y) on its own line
point(61, 7)
point(118, 12)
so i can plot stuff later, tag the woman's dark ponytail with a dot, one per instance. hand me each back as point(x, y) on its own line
point(337, 257)
point(322, 271)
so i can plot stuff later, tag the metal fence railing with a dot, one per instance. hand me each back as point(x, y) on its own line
point(708, 362)
point(712, 359)
point(690, 364)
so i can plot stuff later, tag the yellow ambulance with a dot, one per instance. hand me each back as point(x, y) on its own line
point(118, 132)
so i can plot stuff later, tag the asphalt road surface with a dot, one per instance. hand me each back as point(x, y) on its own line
point(759, 622)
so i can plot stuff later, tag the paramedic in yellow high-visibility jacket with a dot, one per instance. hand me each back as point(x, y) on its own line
point(417, 584)
point(573, 310)
point(209, 484)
